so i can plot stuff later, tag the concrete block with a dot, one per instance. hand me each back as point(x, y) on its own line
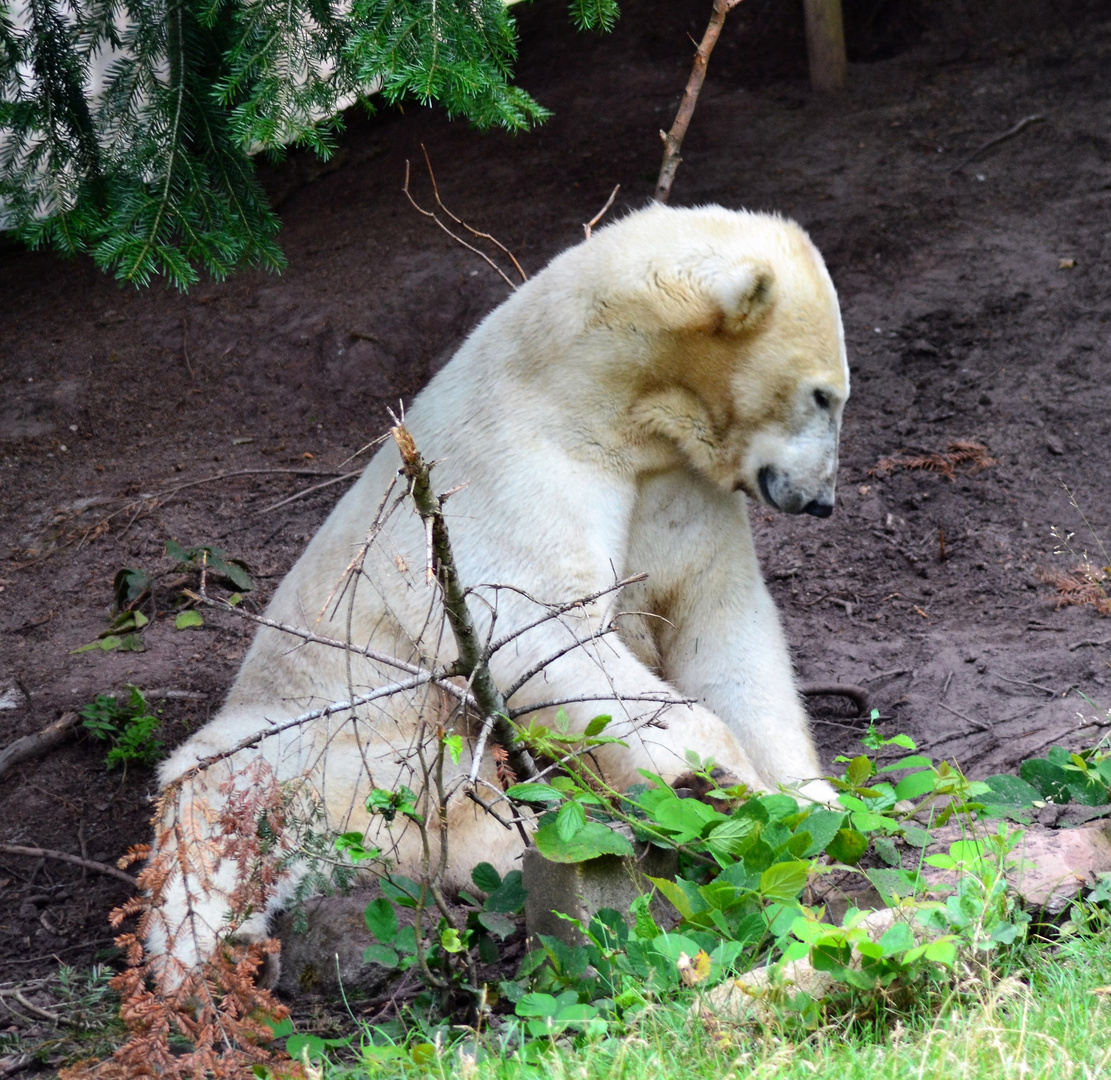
point(582, 889)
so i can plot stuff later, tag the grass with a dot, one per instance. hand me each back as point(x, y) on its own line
point(1049, 1019)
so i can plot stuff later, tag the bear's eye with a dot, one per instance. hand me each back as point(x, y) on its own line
point(821, 399)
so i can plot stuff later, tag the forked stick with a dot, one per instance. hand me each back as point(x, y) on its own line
point(459, 221)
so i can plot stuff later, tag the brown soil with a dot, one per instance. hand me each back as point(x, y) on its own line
point(960, 324)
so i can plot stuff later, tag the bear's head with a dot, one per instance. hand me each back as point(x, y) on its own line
point(749, 377)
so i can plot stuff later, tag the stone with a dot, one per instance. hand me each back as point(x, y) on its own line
point(582, 889)
point(328, 955)
point(748, 998)
point(1057, 865)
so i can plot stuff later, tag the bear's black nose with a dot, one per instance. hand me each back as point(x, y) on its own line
point(818, 509)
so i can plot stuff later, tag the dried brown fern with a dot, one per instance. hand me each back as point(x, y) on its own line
point(213, 1020)
point(959, 452)
point(1085, 586)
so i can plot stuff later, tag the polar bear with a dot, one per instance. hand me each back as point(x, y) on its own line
point(613, 416)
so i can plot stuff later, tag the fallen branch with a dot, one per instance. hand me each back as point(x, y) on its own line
point(673, 139)
point(31, 746)
point(73, 860)
point(856, 694)
point(1010, 133)
point(309, 490)
point(979, 725)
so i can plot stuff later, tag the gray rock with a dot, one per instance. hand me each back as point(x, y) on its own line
point(330, 951)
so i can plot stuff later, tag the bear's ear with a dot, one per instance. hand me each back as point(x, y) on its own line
point(741, 294)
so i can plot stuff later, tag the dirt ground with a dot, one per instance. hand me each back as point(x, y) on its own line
point(975, 306)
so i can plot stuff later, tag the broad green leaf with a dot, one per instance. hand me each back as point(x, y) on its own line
point(913, 761)
point(381, 920)
point(730, 837)
point(596, 726)
point(822, 825)
point(454, 746)
point(188, 619)
point(859, 770)
point(916, 785)
point(784, 881)
point(591, 841)
point(1009, 790)
point(486, 877)
point(386, 955)
point(509, 897)
point(966, 850)
point(943, 951)
point(885, 848)
point(497, 923)
point(534, 793)
point(897, 939)
point(570, 820)
point(847, 846)
point(673, 945)
point(865, 821)
point(674, 895)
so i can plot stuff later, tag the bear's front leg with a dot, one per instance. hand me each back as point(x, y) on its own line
point(717, 633)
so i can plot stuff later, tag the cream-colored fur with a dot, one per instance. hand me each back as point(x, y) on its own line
point(612, 416)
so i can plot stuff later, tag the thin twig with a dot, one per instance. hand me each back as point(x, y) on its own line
point(1024, 682)
point(310, 490)
point(576, 643)
point(1095, 644)
point(657, 698)
point(311, 715)
point(459, 221)
point(979, 725)
point(673, 139)
point(588, 227)
point(458, 239)
point(32, 1008)
point(1010, 133)
point(235, 472)
point(74, 860)
point(553, 611)
point(334, 643)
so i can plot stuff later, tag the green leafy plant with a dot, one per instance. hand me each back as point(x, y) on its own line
point(128, 726)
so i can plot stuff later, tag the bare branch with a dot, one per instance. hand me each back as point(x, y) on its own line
point(576, 643)
point(316, 714)
point(334, 643)
point(658, 698)
point(554, 610)
point(589, 226)
point(73, 860)
point(673, 139)
point(473, 662)
point(458, 239)
point(474, 232)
